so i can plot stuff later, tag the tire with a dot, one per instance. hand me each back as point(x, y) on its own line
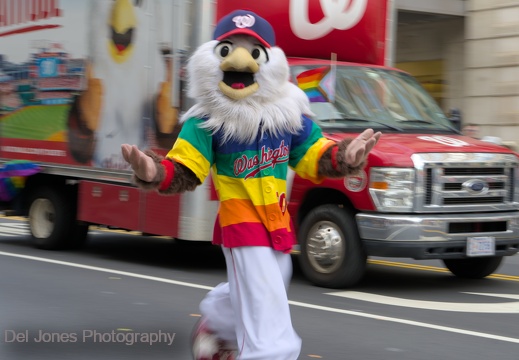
point(331, 252)
point(473, 268)
point(192, 243)
point(52, 220)
point(79, 236)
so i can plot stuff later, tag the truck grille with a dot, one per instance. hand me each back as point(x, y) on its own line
point(480, 182)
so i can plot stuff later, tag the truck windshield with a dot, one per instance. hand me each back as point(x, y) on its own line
point(347, 97)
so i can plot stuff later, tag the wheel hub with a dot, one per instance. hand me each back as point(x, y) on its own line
point(325, 247)
point(41, 218)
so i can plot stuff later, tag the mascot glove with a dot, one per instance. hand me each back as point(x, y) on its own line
point(359, 148)
point(143, 166)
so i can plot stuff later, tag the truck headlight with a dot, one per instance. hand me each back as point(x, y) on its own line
point(392, 189)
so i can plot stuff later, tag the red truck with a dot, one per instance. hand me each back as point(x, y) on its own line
point(68, 102)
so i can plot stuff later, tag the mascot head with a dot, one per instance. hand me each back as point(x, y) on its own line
point(121, 30)
point(239, 62)
point(240, 81)
point(122, 24)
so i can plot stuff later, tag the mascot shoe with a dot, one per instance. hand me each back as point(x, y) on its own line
point(207, 346)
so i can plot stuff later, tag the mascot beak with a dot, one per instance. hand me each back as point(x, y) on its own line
point(238, 74)
point(122, 26)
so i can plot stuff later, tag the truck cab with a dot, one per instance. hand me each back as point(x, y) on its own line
point(426, 192)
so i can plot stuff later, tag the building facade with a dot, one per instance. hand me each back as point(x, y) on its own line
point(466, 54)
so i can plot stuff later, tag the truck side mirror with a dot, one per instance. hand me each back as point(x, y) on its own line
point(455, 118)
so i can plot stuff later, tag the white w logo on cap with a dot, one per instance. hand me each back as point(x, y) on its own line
point(336, 16)
point(244, 21)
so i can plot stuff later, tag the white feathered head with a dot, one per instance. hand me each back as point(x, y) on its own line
point(240, 81)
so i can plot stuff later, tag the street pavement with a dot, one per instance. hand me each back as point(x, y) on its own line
point(132, 297)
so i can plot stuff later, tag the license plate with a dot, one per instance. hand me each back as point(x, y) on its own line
point(481, 246)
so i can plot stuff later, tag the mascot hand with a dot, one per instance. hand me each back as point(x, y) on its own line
point(143, 166)
point(166, 114)
point(359, 148)
point(90, 101)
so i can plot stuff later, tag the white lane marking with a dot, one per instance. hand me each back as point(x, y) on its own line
point(506, 296)
point(6, 234)
point(488, 308)
point(408, 322)
point(23, 229)
point(14, 229)
point(13, 232)
point(106, 270)
point(293, 303)
point(16, 225)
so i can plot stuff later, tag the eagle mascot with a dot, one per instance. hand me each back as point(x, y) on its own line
point(249, 124)
point(127, 85)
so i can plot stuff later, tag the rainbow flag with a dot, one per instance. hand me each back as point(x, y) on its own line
point(315, 83)
point(12, 177)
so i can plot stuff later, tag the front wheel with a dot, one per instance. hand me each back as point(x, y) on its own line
point(331, 252)
point(473, 268)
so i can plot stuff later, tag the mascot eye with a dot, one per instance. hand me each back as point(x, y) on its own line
point(138, 3)
point(259, 53)
point(223, 49)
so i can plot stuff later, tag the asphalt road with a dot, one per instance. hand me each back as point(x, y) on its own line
point(132, 297)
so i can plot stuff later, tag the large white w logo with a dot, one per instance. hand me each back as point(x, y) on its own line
point(336, 16)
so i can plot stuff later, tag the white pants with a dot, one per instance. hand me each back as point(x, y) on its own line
point(251, 310)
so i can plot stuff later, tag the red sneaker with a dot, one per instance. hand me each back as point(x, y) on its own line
point(207, 346)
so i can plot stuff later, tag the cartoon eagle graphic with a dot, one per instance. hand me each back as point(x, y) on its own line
point(128, 85)
point(248, 126)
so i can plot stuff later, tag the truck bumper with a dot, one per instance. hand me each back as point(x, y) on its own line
point(436, 236)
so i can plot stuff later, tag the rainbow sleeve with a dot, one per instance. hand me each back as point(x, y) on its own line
point(307, 149)
point(194, 148)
